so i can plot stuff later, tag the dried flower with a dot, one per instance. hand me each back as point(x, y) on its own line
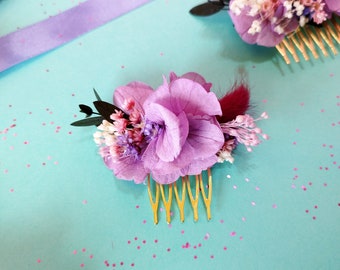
point(172, 131)
point(267, 22)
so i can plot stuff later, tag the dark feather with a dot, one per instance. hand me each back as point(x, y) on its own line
point(234, 103)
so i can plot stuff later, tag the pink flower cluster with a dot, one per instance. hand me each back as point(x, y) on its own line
point(171, 131)
point(267, 22)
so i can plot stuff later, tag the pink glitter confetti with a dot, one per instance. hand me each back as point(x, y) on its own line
point(186, 245)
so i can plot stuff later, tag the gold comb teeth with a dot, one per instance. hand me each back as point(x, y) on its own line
point(191, 186)
point(311, 39)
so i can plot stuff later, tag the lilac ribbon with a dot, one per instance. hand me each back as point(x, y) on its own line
point(46, 35)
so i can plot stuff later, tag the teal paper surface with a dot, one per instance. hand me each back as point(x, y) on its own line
point(277, 207)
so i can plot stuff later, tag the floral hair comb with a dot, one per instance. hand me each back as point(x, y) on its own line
point(291, 26)
point(173, 134)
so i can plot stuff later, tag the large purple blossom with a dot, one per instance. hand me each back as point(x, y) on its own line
point(191, 136)
point(179, 131)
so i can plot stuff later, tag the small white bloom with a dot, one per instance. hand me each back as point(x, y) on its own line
point(288, 14)
point(255, 27)
point(279, 29)
point(288, 5)
point(299, 8)
point(303, 20)
point(224, 156)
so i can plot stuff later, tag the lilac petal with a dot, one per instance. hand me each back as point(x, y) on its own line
point(333, 6)
point(137, 91)
point(172, 76)
point(192, 98)
point(185, 95)
point(153, 163)
point(193, 76)
point(199, 165)
point(205, 136)
point(175, 132)
point(267, 37)
point(242, 24)
point(127, 168)
point(166, 179)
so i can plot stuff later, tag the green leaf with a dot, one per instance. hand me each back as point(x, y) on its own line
point(207, 9)
point(86, 109)
point(93, 121)
point(96, 94)
point(106, 109)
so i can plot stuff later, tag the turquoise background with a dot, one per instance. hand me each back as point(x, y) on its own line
point(60, 208)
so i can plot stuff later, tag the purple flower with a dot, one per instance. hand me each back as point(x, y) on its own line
point(177, 134)
point(190, 136)
point(128, 165)
point(264, 25)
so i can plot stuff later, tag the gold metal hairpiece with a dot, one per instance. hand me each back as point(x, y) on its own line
point(185, 189)
point(311, 38)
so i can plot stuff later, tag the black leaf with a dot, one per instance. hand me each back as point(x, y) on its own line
point(93, 121)
point(207, 9)
point(86, 109)
point(106, 109)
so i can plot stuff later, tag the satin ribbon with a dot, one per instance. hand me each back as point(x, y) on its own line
point(46, 35)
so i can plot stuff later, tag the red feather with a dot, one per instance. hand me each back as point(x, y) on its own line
point(234, 103)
